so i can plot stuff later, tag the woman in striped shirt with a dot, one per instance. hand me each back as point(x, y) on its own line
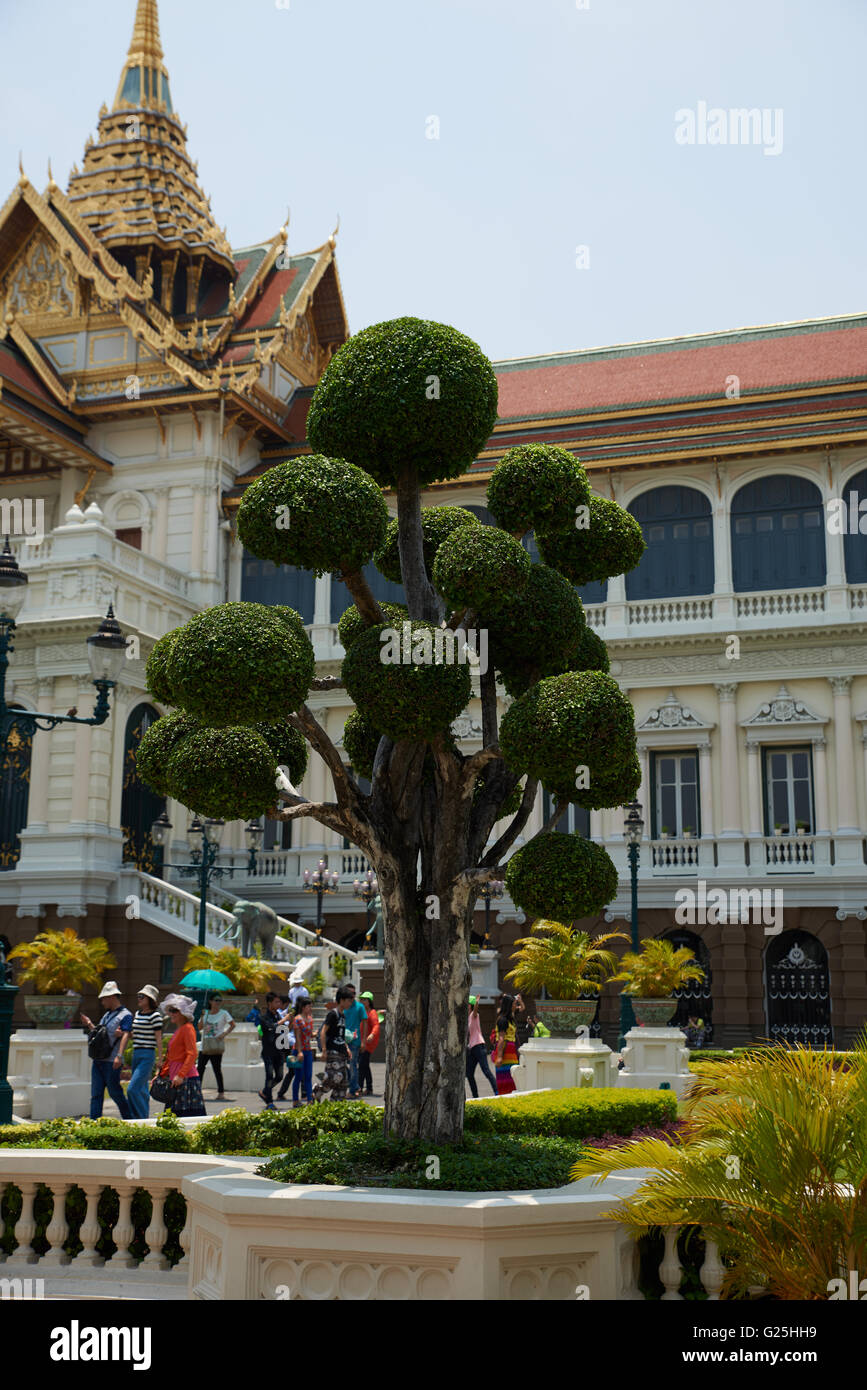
point(147, 1040)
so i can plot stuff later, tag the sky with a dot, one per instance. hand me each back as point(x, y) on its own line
point(546, 175)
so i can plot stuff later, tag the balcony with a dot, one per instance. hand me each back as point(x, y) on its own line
point(619, 619)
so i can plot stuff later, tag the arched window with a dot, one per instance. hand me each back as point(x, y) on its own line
point(677, 528)
point(264, 582)
point(139, 806)
point(797, 990)
point(486, 517)
point(854, 541)
point(14, 793)
point(778, 539)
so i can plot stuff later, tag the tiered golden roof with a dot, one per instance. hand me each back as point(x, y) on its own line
point(138, 189)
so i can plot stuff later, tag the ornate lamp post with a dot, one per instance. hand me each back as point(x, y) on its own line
point(323, 880)
point(632, 831)
point(253, 833)
point(203, 838)
point(105, 652)
point(491, 891)
point(366, 889)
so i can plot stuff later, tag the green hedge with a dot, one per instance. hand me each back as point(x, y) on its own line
point(572, 1114)
point(486, 1164)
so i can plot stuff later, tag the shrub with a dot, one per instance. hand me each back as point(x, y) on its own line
point(288, 748)
point(335, 516)
point(361, 740)
point(564, 962)
point(572, 1113)
point(610, 545)
point(437, 524)
point(481, 568)
point(225, 773)
point(592, 652)
point(272, 655)
point(488, 1164)
point(57, 961)
point(537, 485)
point(408, 392)
point(248, 973)
point(158, 744)
point(563, 876)
point(156, 671)
point(565, 722)
point(538, 632)
point(406, 700)
point(352, 625)
point(658, 969)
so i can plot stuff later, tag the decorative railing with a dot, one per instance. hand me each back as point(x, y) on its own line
point(674, 856)
point(303, 941)
point(780, 603)
point(182, 909)
point(595, 614)
point(669, 610)
point(858, 597)
point(353, 863)
point(789, 853)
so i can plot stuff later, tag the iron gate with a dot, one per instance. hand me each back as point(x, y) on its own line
point(797, 990)
point(694, 999)
point(139, 806)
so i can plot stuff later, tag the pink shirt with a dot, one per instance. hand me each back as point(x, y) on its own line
point(475, 1034)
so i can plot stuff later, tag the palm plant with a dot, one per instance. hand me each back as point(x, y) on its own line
point(60, 961)
point(248, 974)
point(772, 1166)
point(658, 969)
point(565, 962)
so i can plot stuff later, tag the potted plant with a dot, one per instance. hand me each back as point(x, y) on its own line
point(249, 974)
point(663, 834)
point(801, 827)
point(652, 975)
point(59, 963)
point(566, 964)
point(687, 832)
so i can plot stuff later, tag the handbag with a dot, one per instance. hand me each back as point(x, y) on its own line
point(161, 1089)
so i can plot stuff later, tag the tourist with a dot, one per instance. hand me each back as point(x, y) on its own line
point(272, 1054)
point(255, 1014)
point(538, 1030)
point(522, 1024)
point(181, 1057)
point(477, 1053)
point(298, 992)
point(695, 1031)
point(302, 1026)
point(216, 1026)
point(355, 1027)
point(332, 1041)
point(105, 1069)
point(505, 1051)
point(147, 1043)
point(369, 1046)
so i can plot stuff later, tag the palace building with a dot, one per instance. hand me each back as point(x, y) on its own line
point(149, 372)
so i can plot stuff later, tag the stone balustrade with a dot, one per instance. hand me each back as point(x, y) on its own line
point(240, 1236)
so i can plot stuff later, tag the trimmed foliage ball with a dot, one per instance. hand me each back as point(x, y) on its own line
point(539, 632)
point(408, 392)
point(156, 671)
point(578, 719)
point(289, 616)
point(537, 486)
point(239, 663)
point(414, 696)
point(288, 748)
point(158, 744)
point(318, 513)
point(352, 624)
point(361, 740)
point(436, 524)
point(592, 653)
point(229, 774)
point(615, 789)
point(563, 877)
point(482, 568)
point(610, 544)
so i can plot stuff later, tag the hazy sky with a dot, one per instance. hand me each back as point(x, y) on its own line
point(557, 131)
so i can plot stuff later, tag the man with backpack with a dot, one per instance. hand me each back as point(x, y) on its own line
point(106, 1042)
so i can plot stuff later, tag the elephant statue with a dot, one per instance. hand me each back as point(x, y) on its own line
point(258, 924)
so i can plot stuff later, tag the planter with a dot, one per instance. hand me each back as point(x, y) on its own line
point(687, 835)
point(800, 830)
point(653, 1013)
point(563, 1016)
point(238, 1006)
point(52, 1010)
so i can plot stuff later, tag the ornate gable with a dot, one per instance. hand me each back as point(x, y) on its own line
point(41, 283)
point(782, 710)
point(672, 723)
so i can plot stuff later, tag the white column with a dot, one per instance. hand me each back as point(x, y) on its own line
point(820, 790)
point(722, 548)
point(834, 550)
point(161, 526)
point(705, 791)
point(644, 791)
point(596, 816)
point(197, 532)
point(754, 789)
point(847, 815)
point(322, 601)
point(731, 853)
point(40, 760)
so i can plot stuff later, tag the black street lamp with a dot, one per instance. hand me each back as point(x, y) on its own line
point(366, 889)
point(632, 831)
point(203, 838)
point(491, 891)
point(105, 652)
point(323, 880)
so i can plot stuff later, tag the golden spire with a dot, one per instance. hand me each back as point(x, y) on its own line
point(144, 81)
point(145, 45)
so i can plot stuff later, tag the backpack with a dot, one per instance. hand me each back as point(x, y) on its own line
point(99, 1045)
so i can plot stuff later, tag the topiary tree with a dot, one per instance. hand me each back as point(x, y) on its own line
point(400, 406)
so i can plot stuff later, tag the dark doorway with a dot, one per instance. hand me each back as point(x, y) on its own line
point(139, 806)
point(696, 998)
point(797, 990)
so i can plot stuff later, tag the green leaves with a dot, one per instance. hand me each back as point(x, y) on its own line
point(658, 970)
point(610, 544)
point(437, 523)
point(564, 962)
point(538, 632)
point(405, 699)
point(537, 486)
point(407, 393)
point(317, 513)
point(480, 568)
point(581, 718)
point(574, 1113)
point(561, 876)
point(157, 746)
point(225, 773)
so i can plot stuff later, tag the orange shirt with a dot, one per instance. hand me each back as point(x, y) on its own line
point(183, 1054)
point(372, 1038)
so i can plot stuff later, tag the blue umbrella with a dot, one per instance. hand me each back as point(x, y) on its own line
point(207, 979)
